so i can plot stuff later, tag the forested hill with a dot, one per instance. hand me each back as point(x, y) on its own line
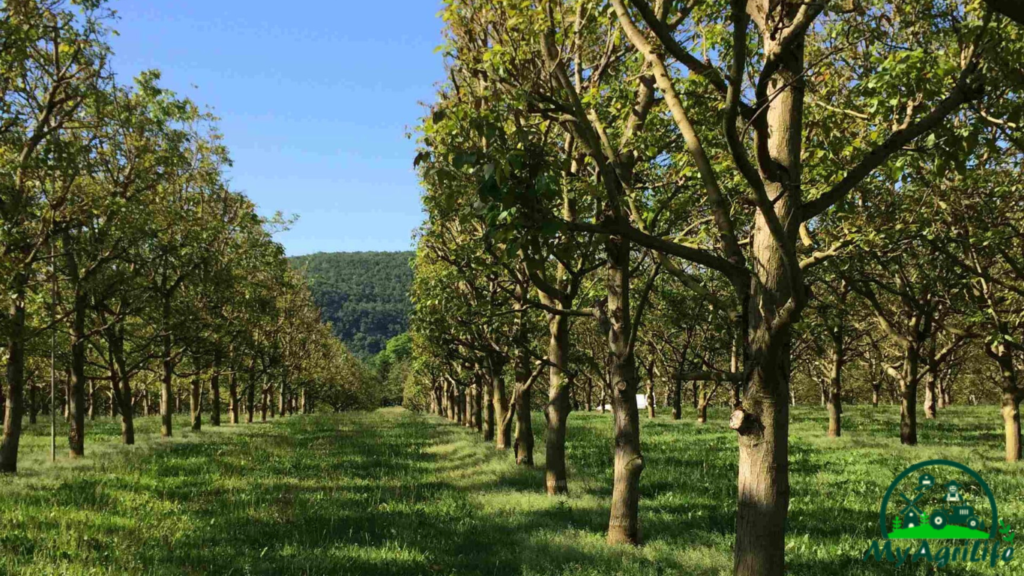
point(365, 295)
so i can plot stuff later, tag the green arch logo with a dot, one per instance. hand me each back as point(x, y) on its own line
point(952, 519)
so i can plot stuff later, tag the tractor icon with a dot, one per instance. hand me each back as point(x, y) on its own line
point(957, 516)
point(954, 513)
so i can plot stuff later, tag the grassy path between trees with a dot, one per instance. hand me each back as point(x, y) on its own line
point(400, 493)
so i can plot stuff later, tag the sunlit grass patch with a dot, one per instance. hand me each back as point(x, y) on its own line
point(397, 493)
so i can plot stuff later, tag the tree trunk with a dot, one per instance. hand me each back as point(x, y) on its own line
point(196, 401)
point(478, 406)
point(556, 412)
point(76, 430)
point(1011, 424)
point(875, 389)
point(677, 398)
point(702, 405)
point(166, 409)
point(14, 407)
point(499, 399)
point(33, 403)
point(460, 405)
point(453, 402)
point(282, 395)
point(120, 384)
point(264, 401)
point(835, 395)
point(908, 397)
point(931, 398)
point(250, 396)
point(215, 391)
point(127, 415)
point(91, 396)
point(763, 427)
point(522, 446)
point(624, 521)
point(233, 396)
point(1011, 399)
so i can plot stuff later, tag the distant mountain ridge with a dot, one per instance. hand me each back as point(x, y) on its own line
point(365, 295)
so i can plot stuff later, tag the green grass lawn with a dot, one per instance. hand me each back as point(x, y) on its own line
point(399, 493)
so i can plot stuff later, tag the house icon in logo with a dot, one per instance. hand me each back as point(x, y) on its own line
point(911, 516)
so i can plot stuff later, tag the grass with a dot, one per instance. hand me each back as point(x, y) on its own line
point(397, 493)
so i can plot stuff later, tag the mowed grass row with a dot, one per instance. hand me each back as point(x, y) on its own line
point(395, 492)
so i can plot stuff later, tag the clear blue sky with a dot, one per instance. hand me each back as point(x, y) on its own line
point(315, 99)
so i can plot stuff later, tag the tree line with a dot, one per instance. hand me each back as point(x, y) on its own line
point(135, 279)
point(749, 202)
point(364, 295)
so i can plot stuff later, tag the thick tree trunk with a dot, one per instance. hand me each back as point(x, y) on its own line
point(930, 398)
point(624, 521)
point(127, 427)
point(499, 399)
point(523, 443)
point(76, 431)
point(763, 424)
point(556, 412)
point(14, 407)
point(1012, 395)
point(166, 409)
point(1011, 424)
point(908, 396)
point(524, 428)
point(677, 398)
point(127, 413)
point(120, 384)
point(875, 390)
